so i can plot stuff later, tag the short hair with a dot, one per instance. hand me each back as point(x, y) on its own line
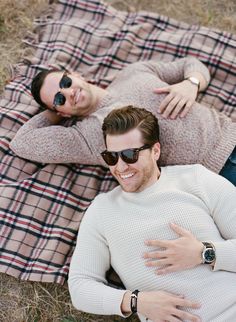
point(37, 84)
point(122, 120)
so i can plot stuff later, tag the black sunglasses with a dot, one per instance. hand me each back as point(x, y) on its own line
point(59, 98)
point(128, 156)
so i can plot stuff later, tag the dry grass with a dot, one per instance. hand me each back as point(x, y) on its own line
point(37, 302)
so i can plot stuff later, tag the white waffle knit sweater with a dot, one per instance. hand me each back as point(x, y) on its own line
point(117, 223)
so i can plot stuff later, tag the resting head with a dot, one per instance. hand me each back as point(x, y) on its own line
point(66, 93)
point(131, 137)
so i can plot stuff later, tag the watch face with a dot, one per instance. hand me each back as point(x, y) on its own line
point(209, 255)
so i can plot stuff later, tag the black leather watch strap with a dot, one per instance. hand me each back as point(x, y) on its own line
point(133, 301)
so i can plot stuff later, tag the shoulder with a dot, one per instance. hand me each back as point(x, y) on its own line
point(189, 175)
point(139, 66)
point(189, 169)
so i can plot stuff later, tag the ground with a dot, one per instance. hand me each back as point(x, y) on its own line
point(38, 302)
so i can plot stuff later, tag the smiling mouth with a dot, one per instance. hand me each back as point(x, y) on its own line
point(77, 96)
point(127, 176)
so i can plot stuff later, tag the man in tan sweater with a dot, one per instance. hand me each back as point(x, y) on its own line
point(190, 132)
point(182, 218)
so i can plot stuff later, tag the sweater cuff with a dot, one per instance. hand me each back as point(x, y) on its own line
point(112, 303)
point(225, 256)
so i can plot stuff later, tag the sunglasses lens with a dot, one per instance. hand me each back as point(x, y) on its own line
point(110, 158)
point(129, 156)
point(65, 82)
point(59, 99)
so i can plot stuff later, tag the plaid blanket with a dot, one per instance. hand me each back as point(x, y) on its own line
point(41, 205)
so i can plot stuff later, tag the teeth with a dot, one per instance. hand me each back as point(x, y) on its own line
point(125, 176)
point(77, 96)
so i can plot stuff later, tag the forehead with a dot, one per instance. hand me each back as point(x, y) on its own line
point(50, 87)
point(131, 139)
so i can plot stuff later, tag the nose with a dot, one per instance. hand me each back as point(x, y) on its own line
point(121, 166)
point(69, 93)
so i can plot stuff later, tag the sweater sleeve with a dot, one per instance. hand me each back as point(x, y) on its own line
point(178, 70)
point(91, 259)
point(220, 197)
point(40, 141)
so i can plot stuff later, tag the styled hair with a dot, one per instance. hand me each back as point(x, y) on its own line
point(122, 120)
point(37, 84)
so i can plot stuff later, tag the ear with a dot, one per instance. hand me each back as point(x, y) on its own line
point(157, 150)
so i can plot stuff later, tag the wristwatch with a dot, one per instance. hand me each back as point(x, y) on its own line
point(194, 81)
point(208, 253)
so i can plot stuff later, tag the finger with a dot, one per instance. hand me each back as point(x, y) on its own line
point(160, 262)
point(174, 319)
point(180, 230)
point(171, 106)
point(185, 316)
point(157, 243)
point(154, 255)
point(188, 303)
point(187, 108)
point(178, 108)
point(162, 90)
point(167, 270)
point(165, 102)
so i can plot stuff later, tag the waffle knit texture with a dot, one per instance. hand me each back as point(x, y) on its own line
point(204, 136)
point(117, 223)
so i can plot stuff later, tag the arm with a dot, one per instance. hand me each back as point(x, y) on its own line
point(41, 139)
point(181, 92)
point(185, 252)
point(88, 287)
point(220, 196)
point(177, 71)
point(91, 259)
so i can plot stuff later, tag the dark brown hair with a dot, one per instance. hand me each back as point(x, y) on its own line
point(122, 120)
point(37, 84)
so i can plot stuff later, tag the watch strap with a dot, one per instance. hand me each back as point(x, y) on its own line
point(133, 301)
point(194, 81)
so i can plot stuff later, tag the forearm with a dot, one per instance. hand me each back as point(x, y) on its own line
point(95, 297)
point(180, 69)
point(225, 256)
point(125, 304)
point(203, 81)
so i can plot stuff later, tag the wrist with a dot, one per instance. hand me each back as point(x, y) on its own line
point(125, 304)
point(208, 253)
point(134, 301)
point(195, 82)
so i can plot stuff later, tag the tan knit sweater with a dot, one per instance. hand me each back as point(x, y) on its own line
point(116, 225)
point(203, 136)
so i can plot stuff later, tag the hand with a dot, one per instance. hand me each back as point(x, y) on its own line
point(179, 254)
point(179, 101)
point(52, 116)
point(162, 306)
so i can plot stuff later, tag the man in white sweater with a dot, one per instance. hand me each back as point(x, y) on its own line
point(169, 233)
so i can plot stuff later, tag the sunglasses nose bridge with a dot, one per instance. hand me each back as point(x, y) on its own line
point(69, 93)
point(121, 165)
